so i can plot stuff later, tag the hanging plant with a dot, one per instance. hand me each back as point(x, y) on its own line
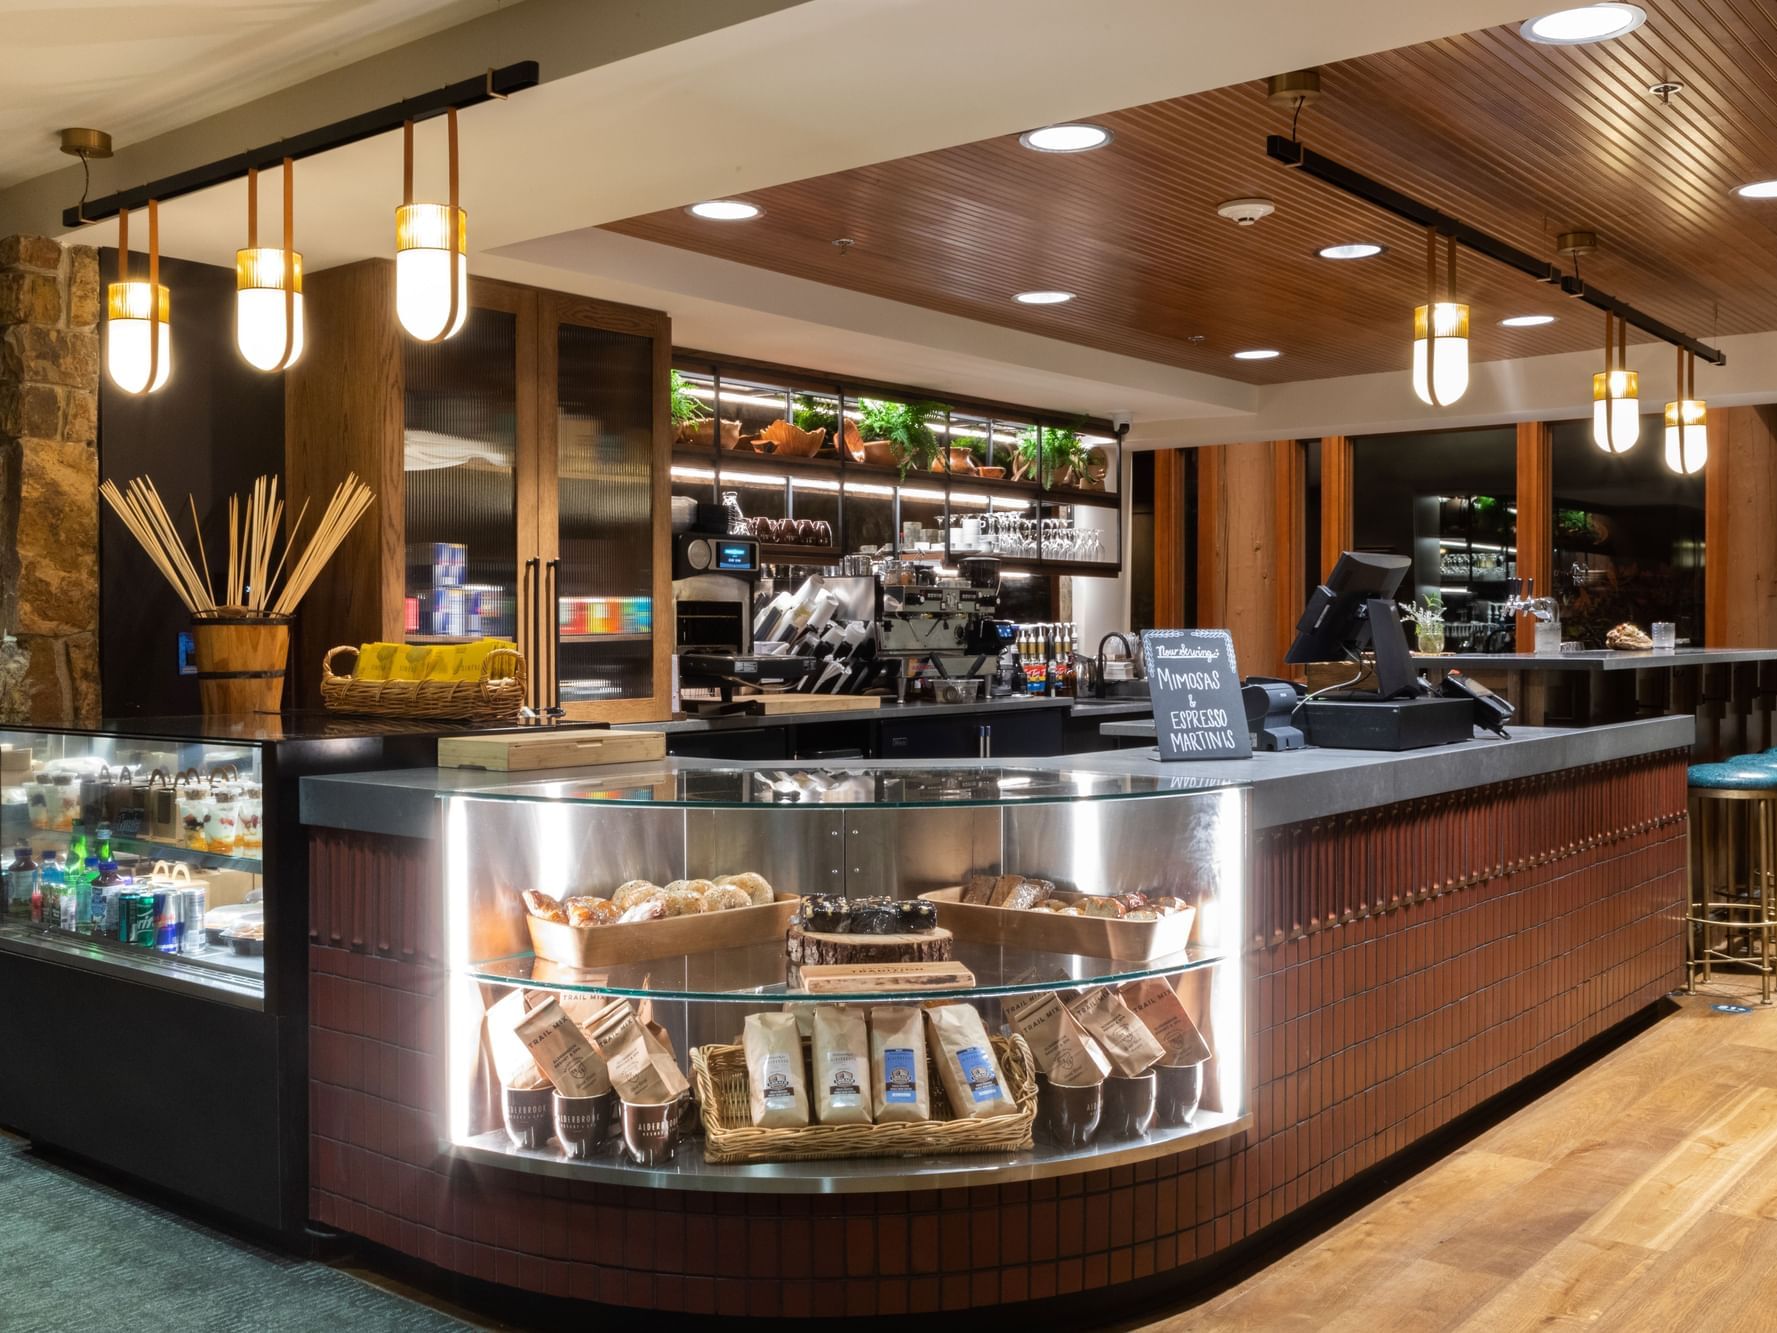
point(685, 406)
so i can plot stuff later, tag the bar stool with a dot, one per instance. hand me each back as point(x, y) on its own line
point(1733, 897)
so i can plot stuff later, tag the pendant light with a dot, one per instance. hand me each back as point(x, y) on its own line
point(1440, 333)
point(268, 286)
point(1616, 393)
point(1687, 421)
point(431, 252)
point(138, 342)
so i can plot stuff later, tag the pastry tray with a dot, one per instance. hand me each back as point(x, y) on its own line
point(639, 941)
point(1045, 932)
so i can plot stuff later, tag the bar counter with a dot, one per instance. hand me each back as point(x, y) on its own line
point(1418, 934)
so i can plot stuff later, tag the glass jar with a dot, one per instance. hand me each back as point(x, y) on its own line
point(223, 831)
point(1431, 638)
point(195, 813)
point(67, 802)
point(252, 838)
point(38, 798)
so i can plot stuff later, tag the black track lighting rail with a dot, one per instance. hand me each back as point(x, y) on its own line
point(1390, 200)
point(491, 85)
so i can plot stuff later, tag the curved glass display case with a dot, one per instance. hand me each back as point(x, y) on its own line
point(1148, 873)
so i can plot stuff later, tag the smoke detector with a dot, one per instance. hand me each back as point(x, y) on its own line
point(1245, 212)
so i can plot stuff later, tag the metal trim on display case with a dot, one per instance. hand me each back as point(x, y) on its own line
point(869, 1175)
point(165, 972)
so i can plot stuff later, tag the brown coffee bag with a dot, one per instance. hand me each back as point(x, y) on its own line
point(513, 1064)
point(840, 1050)
point(966, 1063)
point(1158, 1008)
point(776, 1089)
point(641, 1070)
point(1131, 1047)
point(1062, 1049)
point(900, 1088)
point(562, 1051)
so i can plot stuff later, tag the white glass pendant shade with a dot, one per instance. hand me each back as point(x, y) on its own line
point(1449, 359)
point(1687, 436)
point(422, 270)
point(1616, 410)
point(128, 331)
point(259, 307)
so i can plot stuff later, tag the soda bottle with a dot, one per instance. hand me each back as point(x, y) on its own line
point(77, 844)
point(104, 893)
point(21, 879)
point(104, 843)
point(46, 906)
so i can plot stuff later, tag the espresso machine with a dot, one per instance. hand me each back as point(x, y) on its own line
point(713, 578)
point(947, 619)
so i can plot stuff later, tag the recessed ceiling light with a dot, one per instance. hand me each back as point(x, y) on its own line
point(725, 210)
point(1354, 250)
point(1043, 298)
point(1066, 138)
point(1757, 190)
point(1257, 354)
point(1526, 321)
point(1585, 23)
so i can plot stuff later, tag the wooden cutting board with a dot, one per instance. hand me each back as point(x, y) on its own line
point(809, 703)
point(531, 751)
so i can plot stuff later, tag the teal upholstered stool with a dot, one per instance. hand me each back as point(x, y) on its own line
point(1733, 898)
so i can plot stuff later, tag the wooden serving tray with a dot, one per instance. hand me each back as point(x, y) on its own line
point(1044, 932)
point(524, 752)
point(639, 941)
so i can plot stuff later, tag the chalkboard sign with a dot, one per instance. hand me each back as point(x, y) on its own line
point(1195, 689)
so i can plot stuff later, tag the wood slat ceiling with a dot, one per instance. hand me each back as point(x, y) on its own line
point(1522, 140)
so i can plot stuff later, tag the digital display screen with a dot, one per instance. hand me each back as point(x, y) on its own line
point(734, 555)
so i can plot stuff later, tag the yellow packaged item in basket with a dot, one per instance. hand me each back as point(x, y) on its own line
point(410, 663)
point(374, 661)
point(444, 664)
point(475, 654)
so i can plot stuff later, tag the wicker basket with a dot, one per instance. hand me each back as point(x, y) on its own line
point(719, 1076)
point(490, 699)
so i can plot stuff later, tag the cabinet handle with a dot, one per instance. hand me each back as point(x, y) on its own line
point(553, 601)
point(532, 644)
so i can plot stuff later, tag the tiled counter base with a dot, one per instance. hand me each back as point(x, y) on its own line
point(1405, 965)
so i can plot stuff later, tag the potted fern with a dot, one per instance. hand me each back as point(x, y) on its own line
point(1050, 452)
point(902, 426)
point(691, 420)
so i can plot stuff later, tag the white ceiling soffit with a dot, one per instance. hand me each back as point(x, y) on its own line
point(742, 311)
point(653, 106)
point(1538, 388)
point(808, 89)
point(140, 69)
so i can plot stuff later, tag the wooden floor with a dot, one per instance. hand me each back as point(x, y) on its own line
point(1640, 1194)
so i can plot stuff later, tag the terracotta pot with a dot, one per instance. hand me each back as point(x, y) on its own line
point(879, 453)
point(962, 460)
point(990, 473)
point(701, 432)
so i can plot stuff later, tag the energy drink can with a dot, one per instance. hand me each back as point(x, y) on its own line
point(192, 906)
point(167, 925)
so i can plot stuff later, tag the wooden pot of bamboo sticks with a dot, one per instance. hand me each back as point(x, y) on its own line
point(243, 639)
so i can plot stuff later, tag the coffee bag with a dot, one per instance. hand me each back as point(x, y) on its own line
point(900, 1089)
point(1156, 1005)
point(641, 1070)
point(1131, 1047)
point(513, 1064)
point(777, 1092)
point(840, 1045)
point(562, 1051)
point(966, 1063)
point(1062, 1049)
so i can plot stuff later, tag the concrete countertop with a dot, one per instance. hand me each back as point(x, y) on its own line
point(1307, 784)
point(1287, 788)
point(1595, 660)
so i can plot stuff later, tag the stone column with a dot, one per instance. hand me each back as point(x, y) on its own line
point(49, 477)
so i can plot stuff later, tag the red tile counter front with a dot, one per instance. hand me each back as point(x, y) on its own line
point(1406, 964)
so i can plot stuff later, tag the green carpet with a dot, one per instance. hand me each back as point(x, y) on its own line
point(78, 1256)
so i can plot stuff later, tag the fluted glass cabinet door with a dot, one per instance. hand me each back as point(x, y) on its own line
point(460, 466)
point(604, 570)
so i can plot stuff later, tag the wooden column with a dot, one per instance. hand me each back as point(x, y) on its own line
point(1335, 500)
point(1170, 535)
point(1249, 547)
point(1740, 539)
point(1536, 518)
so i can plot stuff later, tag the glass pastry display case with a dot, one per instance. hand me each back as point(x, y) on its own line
point(140, 855)
point(796, 979)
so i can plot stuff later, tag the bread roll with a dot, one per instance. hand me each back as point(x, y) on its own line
point(754, 885)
